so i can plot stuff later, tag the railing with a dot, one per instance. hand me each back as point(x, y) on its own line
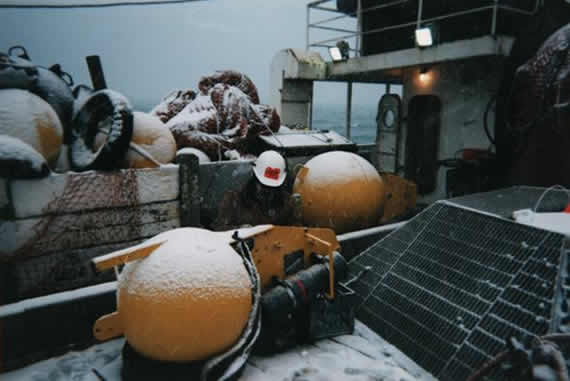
point(325, 24)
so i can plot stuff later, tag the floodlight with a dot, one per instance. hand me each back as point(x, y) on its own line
point(424, 37)
point(335, 54)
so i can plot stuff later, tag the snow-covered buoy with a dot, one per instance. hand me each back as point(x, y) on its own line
point(18, 160)
point(340, 190)
point(29, 118)
point(188, 300)
point(150, 134)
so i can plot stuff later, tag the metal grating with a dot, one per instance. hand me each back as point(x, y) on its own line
point(451, 285)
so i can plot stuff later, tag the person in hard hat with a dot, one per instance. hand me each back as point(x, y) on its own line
point(263, 200)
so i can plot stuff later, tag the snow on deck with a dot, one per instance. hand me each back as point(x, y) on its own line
point(358, 357)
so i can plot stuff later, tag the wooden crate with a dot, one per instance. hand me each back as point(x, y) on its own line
point(52, 227)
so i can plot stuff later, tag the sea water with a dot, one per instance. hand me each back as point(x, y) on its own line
point(333, 118)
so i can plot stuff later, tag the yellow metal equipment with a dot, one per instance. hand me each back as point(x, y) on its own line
point(270, 248)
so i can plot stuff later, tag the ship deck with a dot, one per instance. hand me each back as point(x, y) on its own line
point(360, 356)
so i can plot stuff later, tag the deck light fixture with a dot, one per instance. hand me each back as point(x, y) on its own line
point(340, 51)
point(424, 37)
point(335, 54)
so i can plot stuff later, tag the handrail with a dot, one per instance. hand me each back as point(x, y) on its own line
point(330, 28)
point(420, 20)
point(326, 9)
point(332, 46)
point(317, 2)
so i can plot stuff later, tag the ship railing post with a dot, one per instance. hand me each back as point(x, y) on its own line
point(359, 28)
point(420, 11)
point(310, 113)
point(189, 189)
point(307, 29)
point(494, 21)
point(348, 108)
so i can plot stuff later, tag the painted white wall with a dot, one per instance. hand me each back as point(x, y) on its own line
point(464, 87)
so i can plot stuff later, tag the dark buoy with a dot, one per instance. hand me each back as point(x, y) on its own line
point(107, 113)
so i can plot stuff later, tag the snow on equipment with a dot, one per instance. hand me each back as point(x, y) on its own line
point(108, 134)
point(19, 160)
point(150, 135)
point(224, 116)
point(190, 300)
point(340, 190)
point(29, 118)
point(232, 78)
point(51, 84)
point(459, 281)
point(106, 112)
point(202, 157)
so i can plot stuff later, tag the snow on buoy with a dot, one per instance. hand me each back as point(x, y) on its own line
point(154, 137)
point(340, 190)
point(101, 131)
point(18, 160)
point(188, 300)
point(29, 118)
point(202, 157)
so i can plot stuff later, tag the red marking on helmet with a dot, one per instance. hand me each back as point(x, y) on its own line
point(272, 173)
point(303, 291)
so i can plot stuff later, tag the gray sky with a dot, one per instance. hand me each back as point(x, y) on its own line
point(149, 50)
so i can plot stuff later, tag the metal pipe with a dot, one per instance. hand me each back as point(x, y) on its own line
point(327, 9)
point(436, 18)
point(494, 21)
point(310, 116)
point(348, 108)
point(376, 7)
point(317, 2)
point(367, 32)
point(459, 13)
point(330, 46)
point(371, 231)
point(307, 30)
point(359, 27)
point(334, 39)
point(330, 19)
point(329, 28)
point(96, 72)
point(420, 12)
point(521, 11)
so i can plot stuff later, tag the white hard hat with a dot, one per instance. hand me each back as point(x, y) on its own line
point(269, 168)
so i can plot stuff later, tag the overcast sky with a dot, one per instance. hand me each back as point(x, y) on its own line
point(149, 50)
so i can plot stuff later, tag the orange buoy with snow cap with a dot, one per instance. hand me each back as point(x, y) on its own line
point(154, 137)
point(26, 116)
point(190, 299)
point(340, 190)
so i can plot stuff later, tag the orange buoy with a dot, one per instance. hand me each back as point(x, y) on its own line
point(26, 116)
point(190, 299)
point(154, 137)
point(340, 190)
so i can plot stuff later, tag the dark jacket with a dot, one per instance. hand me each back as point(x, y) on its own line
point(243, 208)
